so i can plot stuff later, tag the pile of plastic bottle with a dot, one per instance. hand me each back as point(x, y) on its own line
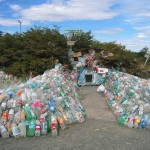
point(129, 98)
point(6, 80)
point(42, 105)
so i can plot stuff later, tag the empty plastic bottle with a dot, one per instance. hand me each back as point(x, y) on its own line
point(17, 116)
point(34, 96)
point(44, 127)
point(54, 125)
point(22, 128)
point(4, 132)
point(9, 128)
point(18, 105)
point(3, 106)
point(22, 115)
point(15, 130)
point(10, 103)
point(37, 128)
point(4, 117)
point(61, 122)
point(28, 112)
point(11, 115)
point(31, 129)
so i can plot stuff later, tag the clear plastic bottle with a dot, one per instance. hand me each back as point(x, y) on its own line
point(11, 115)
point(22, 128)
point(3, 106)
point(37, 128)
point(15, 130)
point(17, 117)
point(10, 103)
point(4, 132)
point(130, 122)
point(24, 98)
point(18, 105)
point(34, 96)
point(44, 127)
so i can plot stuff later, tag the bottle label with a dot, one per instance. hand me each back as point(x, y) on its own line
point(38, 127)
point(15, 131)
point(31, 126)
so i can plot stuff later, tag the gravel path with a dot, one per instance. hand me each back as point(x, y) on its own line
point(100, 131)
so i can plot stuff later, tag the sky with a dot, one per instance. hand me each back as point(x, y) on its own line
point(125, 21)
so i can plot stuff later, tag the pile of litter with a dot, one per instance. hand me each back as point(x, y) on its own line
point(129, 98)
point(41, 105)
point(6, 80)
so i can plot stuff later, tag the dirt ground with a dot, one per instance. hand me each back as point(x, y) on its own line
point(99, 132)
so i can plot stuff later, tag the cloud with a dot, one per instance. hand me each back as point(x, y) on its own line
point(141, 36)
point(133, 8)
point(70, 10)
point(12, 22)
point(144, 14)
point(15, 7)
point(142, 28)
point(145, 32)
point(135, 44)
point(109, 31)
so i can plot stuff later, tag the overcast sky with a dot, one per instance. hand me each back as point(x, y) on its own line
point(124, 21)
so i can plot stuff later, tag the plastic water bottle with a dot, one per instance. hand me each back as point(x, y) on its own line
point(10, 103)
point(39, 94)
point(3, 106)
point(15, 130)
point(44, 127)
point(22, 128)
point(4, 132)
point(11, 115)
point(37, 128)
point(17, 116)
point(24, 98)
point(34, 96)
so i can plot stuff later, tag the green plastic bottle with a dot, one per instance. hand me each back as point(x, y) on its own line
point(122, 119)
point(31, 128)
point(28, 113)
point(48, 124)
